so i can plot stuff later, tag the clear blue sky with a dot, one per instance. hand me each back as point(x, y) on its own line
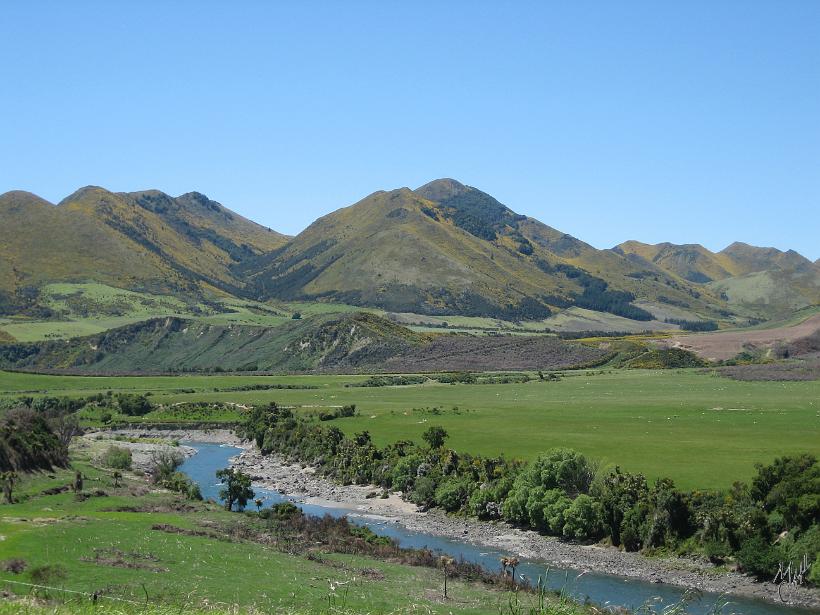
point(687, 122)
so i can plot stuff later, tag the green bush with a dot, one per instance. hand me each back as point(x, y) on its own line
point(404, 472)
point(716, 551)
point(48, 574)
point(814, 573)
point(759, 558)
point(180, 483)
point(424, 491)
point(117, 457)
point(133, 405)
point(583, 518)
point(452, 494)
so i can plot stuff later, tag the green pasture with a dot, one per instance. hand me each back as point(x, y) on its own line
point(101, 548)
point(701, 430)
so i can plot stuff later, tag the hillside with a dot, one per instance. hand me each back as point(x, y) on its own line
point(764, 282)
point(329, 342)
point(449, 248)
point(139, 241)
point(444, 249)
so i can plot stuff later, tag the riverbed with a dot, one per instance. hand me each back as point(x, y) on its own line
point(605, 576)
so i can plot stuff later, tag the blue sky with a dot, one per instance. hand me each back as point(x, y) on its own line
point(687, 122)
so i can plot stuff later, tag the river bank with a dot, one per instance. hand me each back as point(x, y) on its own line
point(144, 443)
point(303, 484)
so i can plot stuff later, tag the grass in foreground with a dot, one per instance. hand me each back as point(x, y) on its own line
point(111, 543)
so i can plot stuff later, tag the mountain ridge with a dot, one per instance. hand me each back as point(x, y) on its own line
point(442, 248)
point(121, 239)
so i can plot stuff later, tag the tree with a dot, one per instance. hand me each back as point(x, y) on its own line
point(134, 405)
point(435, 436)
point(9, 480)
point(362, 438)
point(117, 476)
point(164, 463)
point(297, 316)
point(65, 427)
point(237, 489)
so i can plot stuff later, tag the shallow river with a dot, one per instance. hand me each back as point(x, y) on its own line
point(601, 589)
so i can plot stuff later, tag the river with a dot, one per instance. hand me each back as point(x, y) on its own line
point(601, 589)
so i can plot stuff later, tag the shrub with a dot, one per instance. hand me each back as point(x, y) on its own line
point(117, 457)
point(758, 558)
point(716, 551)
point(47, 574)
point(814, 573)
point(630, 531)
point(435, 436)
point(424, 491)
point(405, 472)
point(133, 405)
point(583, 518)
point(282, 512)
point(180, 483)
point(14, 565)
point(163, 464)
point(452, 494)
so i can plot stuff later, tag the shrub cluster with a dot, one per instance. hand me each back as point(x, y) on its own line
point(163, 471)
point(339, 413)
point(117, 457)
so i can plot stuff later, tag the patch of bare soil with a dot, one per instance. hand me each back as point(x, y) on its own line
point(722, 345)
point(169, 507)
point(780, 372)
point(121, 559)
point(467, 353)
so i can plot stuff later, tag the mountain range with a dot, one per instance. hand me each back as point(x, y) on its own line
point(443, 248)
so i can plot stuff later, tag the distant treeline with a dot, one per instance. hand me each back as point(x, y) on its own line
point(693, 325)
point(265, 387)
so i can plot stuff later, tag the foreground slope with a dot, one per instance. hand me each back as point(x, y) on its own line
point(449, 248)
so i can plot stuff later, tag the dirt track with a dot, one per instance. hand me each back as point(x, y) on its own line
point(722, 345)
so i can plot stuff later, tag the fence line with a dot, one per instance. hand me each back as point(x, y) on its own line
point(93, 596)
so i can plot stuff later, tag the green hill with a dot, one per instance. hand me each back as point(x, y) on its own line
point(331, 342)
point(145, 241)
point(764, 282)
point(444, 249)
point(448, 248)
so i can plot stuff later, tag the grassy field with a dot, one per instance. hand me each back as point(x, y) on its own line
point(100, 547)
point(703, 431)
point(89, 308)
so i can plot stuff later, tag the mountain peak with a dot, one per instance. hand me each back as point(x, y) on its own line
point(20, 200)
point(441, 189)
point(83, 192)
